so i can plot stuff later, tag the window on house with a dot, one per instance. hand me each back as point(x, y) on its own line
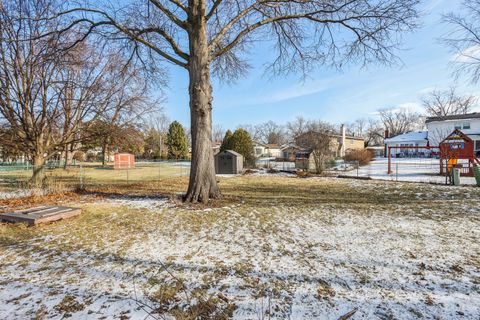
point(458, 125)
point(477, 145)
point(466, 125)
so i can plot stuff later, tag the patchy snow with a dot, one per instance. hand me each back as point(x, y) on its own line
point(273, 173)
point(409, 137)
point(414, 254)
point(137, 202)
point(15, 194)
point(406, 169)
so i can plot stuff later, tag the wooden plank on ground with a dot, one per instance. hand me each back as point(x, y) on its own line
point(42, 214)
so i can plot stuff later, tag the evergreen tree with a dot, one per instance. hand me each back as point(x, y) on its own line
point(243, 144)
point(177, 141)
point(227, 143)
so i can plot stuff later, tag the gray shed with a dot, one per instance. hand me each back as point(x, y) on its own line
point(228, 162)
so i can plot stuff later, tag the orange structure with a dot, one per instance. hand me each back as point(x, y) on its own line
point(124, 161)
point(453, 149)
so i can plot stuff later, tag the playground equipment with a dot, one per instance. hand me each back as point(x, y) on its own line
point(456, 150)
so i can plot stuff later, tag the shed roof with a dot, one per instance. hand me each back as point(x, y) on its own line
point(409, 136)
point(231, 152)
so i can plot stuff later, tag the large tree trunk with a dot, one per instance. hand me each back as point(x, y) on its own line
point(38, 170)
point(203, 184)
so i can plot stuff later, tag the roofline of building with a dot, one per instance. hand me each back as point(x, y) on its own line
point(336, 135)
point(473, 115)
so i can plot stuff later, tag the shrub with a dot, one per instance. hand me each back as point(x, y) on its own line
point(363, 156)
point(79, 156)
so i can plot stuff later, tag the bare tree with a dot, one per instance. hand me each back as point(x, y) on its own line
point(359, 127)
point(46, 93)
point(443, 103)
point(300, 126)
point(321, 146)
point(272, 133)
point(253, 130)
point(400, 120)
point(374, 133)
point(296, 127)
point(126, 106)
point(464, 39)
point(158, 129)
point(218, 132)
point(203, 36)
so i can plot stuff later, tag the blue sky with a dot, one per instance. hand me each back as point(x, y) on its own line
point(329, 94)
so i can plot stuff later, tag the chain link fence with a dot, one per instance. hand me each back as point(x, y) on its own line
point(84, 175)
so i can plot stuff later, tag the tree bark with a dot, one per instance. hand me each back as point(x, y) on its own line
point(104, 154)
point(38, 170)
point(67, 156)
point(203, 184)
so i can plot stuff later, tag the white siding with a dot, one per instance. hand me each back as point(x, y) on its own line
point(439, 130)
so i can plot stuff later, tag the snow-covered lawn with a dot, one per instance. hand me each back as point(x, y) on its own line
point(406, 169)
point(277, 248)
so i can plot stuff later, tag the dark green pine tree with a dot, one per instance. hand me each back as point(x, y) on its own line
point(227, 143)
point(177, 141)
point(243, 144)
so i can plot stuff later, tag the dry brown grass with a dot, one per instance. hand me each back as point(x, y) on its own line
point(105, 233)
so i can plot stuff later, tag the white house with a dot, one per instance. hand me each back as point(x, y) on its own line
point(441, 127)
point(409, 139)
point(266, 150)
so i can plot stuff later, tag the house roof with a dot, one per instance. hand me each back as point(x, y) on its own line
point(347, 137)
point(273, 146)
point(330, 134)
point(409, 136)
point(259, 143)
point(473, 115)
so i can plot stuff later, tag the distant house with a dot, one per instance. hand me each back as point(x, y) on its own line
point(261, 150)
point(440, 127)
point(340, 143)
point(377, 151)
point(289, 151)
point(216, 146)
point(405, 140)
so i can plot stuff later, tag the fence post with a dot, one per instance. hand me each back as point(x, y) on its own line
point(396, 171)
point(358, 165)
point(127, 176)
point(81, 177)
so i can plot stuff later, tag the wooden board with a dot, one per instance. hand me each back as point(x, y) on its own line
point(40, 214)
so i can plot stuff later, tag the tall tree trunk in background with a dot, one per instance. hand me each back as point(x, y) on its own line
point(67, 156)
point(104, 153)
point(38, 173)
point(203, 184)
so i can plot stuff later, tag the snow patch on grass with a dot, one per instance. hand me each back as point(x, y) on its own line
point(326, 248)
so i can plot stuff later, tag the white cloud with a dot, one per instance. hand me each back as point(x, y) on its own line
point(296, 91)
point(470, 54)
